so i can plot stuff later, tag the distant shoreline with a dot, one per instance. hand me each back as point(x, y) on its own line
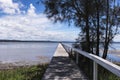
point(36, 41)
point(41, 41)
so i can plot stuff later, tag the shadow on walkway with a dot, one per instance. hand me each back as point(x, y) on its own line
point(63, 68)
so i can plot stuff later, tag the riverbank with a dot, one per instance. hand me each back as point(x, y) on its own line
point(14, 65)
point(34, 72)
point(113, 55)
point(115, 52)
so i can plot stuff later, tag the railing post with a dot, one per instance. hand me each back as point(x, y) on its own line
point(70, 54)
point(95, 71)
point(77, 58)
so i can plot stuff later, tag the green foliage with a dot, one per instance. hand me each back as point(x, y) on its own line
point(24, 73)
point(104, 74)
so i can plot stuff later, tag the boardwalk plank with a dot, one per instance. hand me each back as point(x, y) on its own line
point(62, 67)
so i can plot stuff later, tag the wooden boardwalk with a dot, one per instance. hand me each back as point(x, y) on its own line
point(62, 67)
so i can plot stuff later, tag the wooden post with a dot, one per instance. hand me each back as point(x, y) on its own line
point(77, 58)
point(95, 71)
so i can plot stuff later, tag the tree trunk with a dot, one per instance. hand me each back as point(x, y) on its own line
point(87, 27)
point(105, 51)
point(106, 33)
point(98, 26)
point(87, 35)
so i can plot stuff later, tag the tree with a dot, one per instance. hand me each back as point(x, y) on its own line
point(112, 25)
point(87, 15)
point(99, 10)
point(78, 12)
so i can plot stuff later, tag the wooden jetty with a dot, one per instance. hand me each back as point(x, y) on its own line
point(62, 67)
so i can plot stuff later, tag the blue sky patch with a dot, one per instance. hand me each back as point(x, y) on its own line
point(25, 20)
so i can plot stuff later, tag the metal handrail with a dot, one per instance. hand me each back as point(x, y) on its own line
point(115, 69)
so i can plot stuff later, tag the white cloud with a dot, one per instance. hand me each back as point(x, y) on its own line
point(8, 7)
point(31, 10)
point(30, 27)
point(33, 26)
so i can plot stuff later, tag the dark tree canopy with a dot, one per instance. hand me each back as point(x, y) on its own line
point(97, 20)
point(68, 10)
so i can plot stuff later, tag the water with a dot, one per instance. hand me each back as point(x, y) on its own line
point(26, 52)
point(21, 53)
point(114, 54)
point(115, 46)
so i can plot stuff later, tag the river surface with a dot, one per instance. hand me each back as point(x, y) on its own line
point(26, 52)
point(114, 52)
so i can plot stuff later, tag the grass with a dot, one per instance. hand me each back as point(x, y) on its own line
point(104, 74)
point(24, 73)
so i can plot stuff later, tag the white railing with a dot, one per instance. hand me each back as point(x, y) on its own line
point(115, 69)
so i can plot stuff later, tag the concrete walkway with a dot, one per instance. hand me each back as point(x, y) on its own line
point(62, 67)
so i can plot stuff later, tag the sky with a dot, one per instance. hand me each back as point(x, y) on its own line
point(25, 20)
